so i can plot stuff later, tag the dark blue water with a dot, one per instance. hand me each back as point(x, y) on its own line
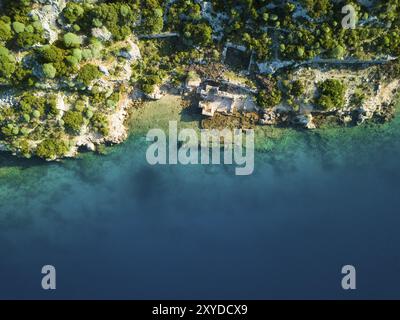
point(115, 227)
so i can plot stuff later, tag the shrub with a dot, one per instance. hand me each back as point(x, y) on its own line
point(77, 53)
point(72, 12)
point(331, 94)
point(298, 88)
point(100, 123)
point(18, 27)
point(7, 63)
point(28, 39)
point(21, 75)
point(72, 61)
point(153, 20)
point(117, 18)
point(71, 40)
point(199, 34)
point(88, 73)
point(87, 54)
point(338, 52)
point(51, 148)
point(5, 31)
point(268, 99)
point(49, 71)
point(51, 53)
point(73, 121)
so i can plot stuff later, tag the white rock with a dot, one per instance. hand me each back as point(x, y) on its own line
point(306, 121)
point(104, 70)
point(90, 146)
point(102, 34)
point(132, 53)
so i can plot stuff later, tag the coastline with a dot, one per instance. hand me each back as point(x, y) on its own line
point(32, 192)
point(268, 139)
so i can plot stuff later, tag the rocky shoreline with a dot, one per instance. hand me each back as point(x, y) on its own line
point(79, 80)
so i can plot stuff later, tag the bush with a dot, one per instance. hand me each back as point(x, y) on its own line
point(72, 12)
point(51, 54)
point(199, 34)
point(338, 52)
point(73, 121)
point(88, 73)
point(331, 94)
point(21, 75)
point(268, 99)
point(7, 63)
point(77, 53)
point(51, 149)
point(100, 123)
point(297, 89)
point(72, 61)
point(153, 20)
point(5, 31)
point(18, 27)
point(118, 18)
point(38, 106)
point(71, 40)
point(49, 71)
point(28, 39)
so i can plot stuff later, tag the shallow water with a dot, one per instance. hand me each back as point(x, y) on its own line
point(116, 227)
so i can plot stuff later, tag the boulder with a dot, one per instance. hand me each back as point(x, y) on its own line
point(305, 120)
point(269, 118)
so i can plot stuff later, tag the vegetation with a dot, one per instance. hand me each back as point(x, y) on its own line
point(72, 40)
point(52, 72)
point(7, 63)
point(331, 94)
point(270, 97)
point(88, 73)
point(73, 121)
point(51, 149)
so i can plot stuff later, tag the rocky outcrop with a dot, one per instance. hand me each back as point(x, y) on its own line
point(48, 15)
point(379, 104)
point(157, 94)
point(305, 121)
point(269, 118)
point(102, 34)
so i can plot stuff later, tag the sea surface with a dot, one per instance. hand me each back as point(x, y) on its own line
point(115, 227)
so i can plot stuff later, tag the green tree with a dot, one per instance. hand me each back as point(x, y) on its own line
point(297, 88)
point(73, 121)
point(5, 31)
point(100, 123)
point(268, 99)
point(88, 73)
point(72, 12)
point(199, 34)
point(7, 63)
point(49, 71)
point(71, 40)
point(51, 149)
point(18, 27)
point(331, 94)
point(338, 52)
point(51, 53)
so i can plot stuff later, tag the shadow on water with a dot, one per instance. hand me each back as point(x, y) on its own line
point(191, 112)
point(9, 160)
point(146, 184)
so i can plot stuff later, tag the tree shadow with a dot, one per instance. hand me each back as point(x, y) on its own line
point(191, 112)
point(7, 159)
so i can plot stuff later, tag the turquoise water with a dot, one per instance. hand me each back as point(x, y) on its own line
point(115, 227)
